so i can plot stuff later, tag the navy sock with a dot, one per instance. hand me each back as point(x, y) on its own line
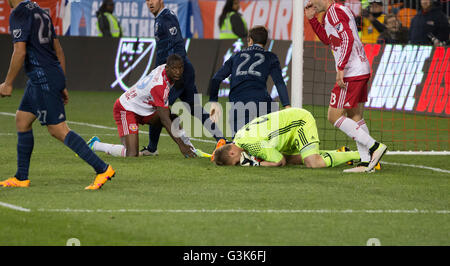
point(153, 137)
point(25, 144)
point(79, 146)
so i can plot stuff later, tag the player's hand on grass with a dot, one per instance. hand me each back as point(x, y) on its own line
point(215, 112)
point(187, 151)
point(340, 78)
point(5, 90)
point(65, 96)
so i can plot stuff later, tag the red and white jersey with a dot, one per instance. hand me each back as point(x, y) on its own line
point(149, 93)
point(339, 30)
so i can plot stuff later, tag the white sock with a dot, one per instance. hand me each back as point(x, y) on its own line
point(354, 131)
point(112, 149)
point(363, 151)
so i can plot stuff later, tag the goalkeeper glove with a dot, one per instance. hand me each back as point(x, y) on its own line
point(248, 160)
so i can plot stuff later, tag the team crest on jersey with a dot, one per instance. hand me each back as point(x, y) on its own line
point(173, 31)
point(339, 28)
point(133, 127)
point(156, 27)
point(17, 33)
point(133, 53)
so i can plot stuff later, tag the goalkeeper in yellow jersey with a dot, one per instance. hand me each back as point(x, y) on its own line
point(276, 139)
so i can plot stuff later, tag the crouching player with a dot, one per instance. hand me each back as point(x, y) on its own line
point(146, 103)
point(276, 139)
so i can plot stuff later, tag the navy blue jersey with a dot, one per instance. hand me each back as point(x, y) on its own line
point(168, 36)
point(32, 25)
point(249, 70)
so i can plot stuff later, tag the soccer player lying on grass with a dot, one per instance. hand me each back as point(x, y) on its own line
point(147, 103)
point(276, 139)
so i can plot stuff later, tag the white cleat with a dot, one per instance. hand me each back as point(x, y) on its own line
point(146, 152)
point(359, 169)
point(376, 156)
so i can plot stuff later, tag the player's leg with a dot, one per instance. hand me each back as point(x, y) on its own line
point(313, 158)
point(154, 129)
point(71, 139)
point(127, 124)
point(307, 138)
point(77, 144)
point(345, 112)
point(25, 116)
point(191, 97)
point(131, 145)
point(25, 144)
point(356, 114)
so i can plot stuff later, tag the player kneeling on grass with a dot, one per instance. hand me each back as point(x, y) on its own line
point(147, 103)
point(284, 137)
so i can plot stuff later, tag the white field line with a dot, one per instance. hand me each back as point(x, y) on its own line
point(418, 166)
point(14, 207)
point(314, 211)
point(287, 211)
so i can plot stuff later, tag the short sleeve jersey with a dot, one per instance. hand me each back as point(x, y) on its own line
point(149, 93)
point(32, 25)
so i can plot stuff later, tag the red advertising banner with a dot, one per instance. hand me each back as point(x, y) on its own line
point(4, 16)
point(54, 7)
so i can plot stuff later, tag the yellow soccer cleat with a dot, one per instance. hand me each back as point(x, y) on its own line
point(219, 144)
point(101, 179)
point(378, 166)
point(202, 154)
point(14, 182)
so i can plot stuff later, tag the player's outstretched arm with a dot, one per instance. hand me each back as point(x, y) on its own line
point(164, 116)
point(17, 59)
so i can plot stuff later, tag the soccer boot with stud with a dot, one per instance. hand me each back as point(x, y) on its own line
point(14, 182)
point(101, 179)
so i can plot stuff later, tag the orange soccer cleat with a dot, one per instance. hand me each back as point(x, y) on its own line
point(101, 179)
point(14, 182)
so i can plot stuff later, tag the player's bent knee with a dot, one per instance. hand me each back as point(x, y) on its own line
point(314, 161)
point(58, 131)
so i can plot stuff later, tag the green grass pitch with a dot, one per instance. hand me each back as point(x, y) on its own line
point(170, 200)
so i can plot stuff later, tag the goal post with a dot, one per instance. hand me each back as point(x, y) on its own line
point(297, 54)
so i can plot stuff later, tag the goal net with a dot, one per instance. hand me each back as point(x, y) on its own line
point(408, 107)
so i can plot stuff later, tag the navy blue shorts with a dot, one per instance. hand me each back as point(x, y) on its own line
point(45, 102)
